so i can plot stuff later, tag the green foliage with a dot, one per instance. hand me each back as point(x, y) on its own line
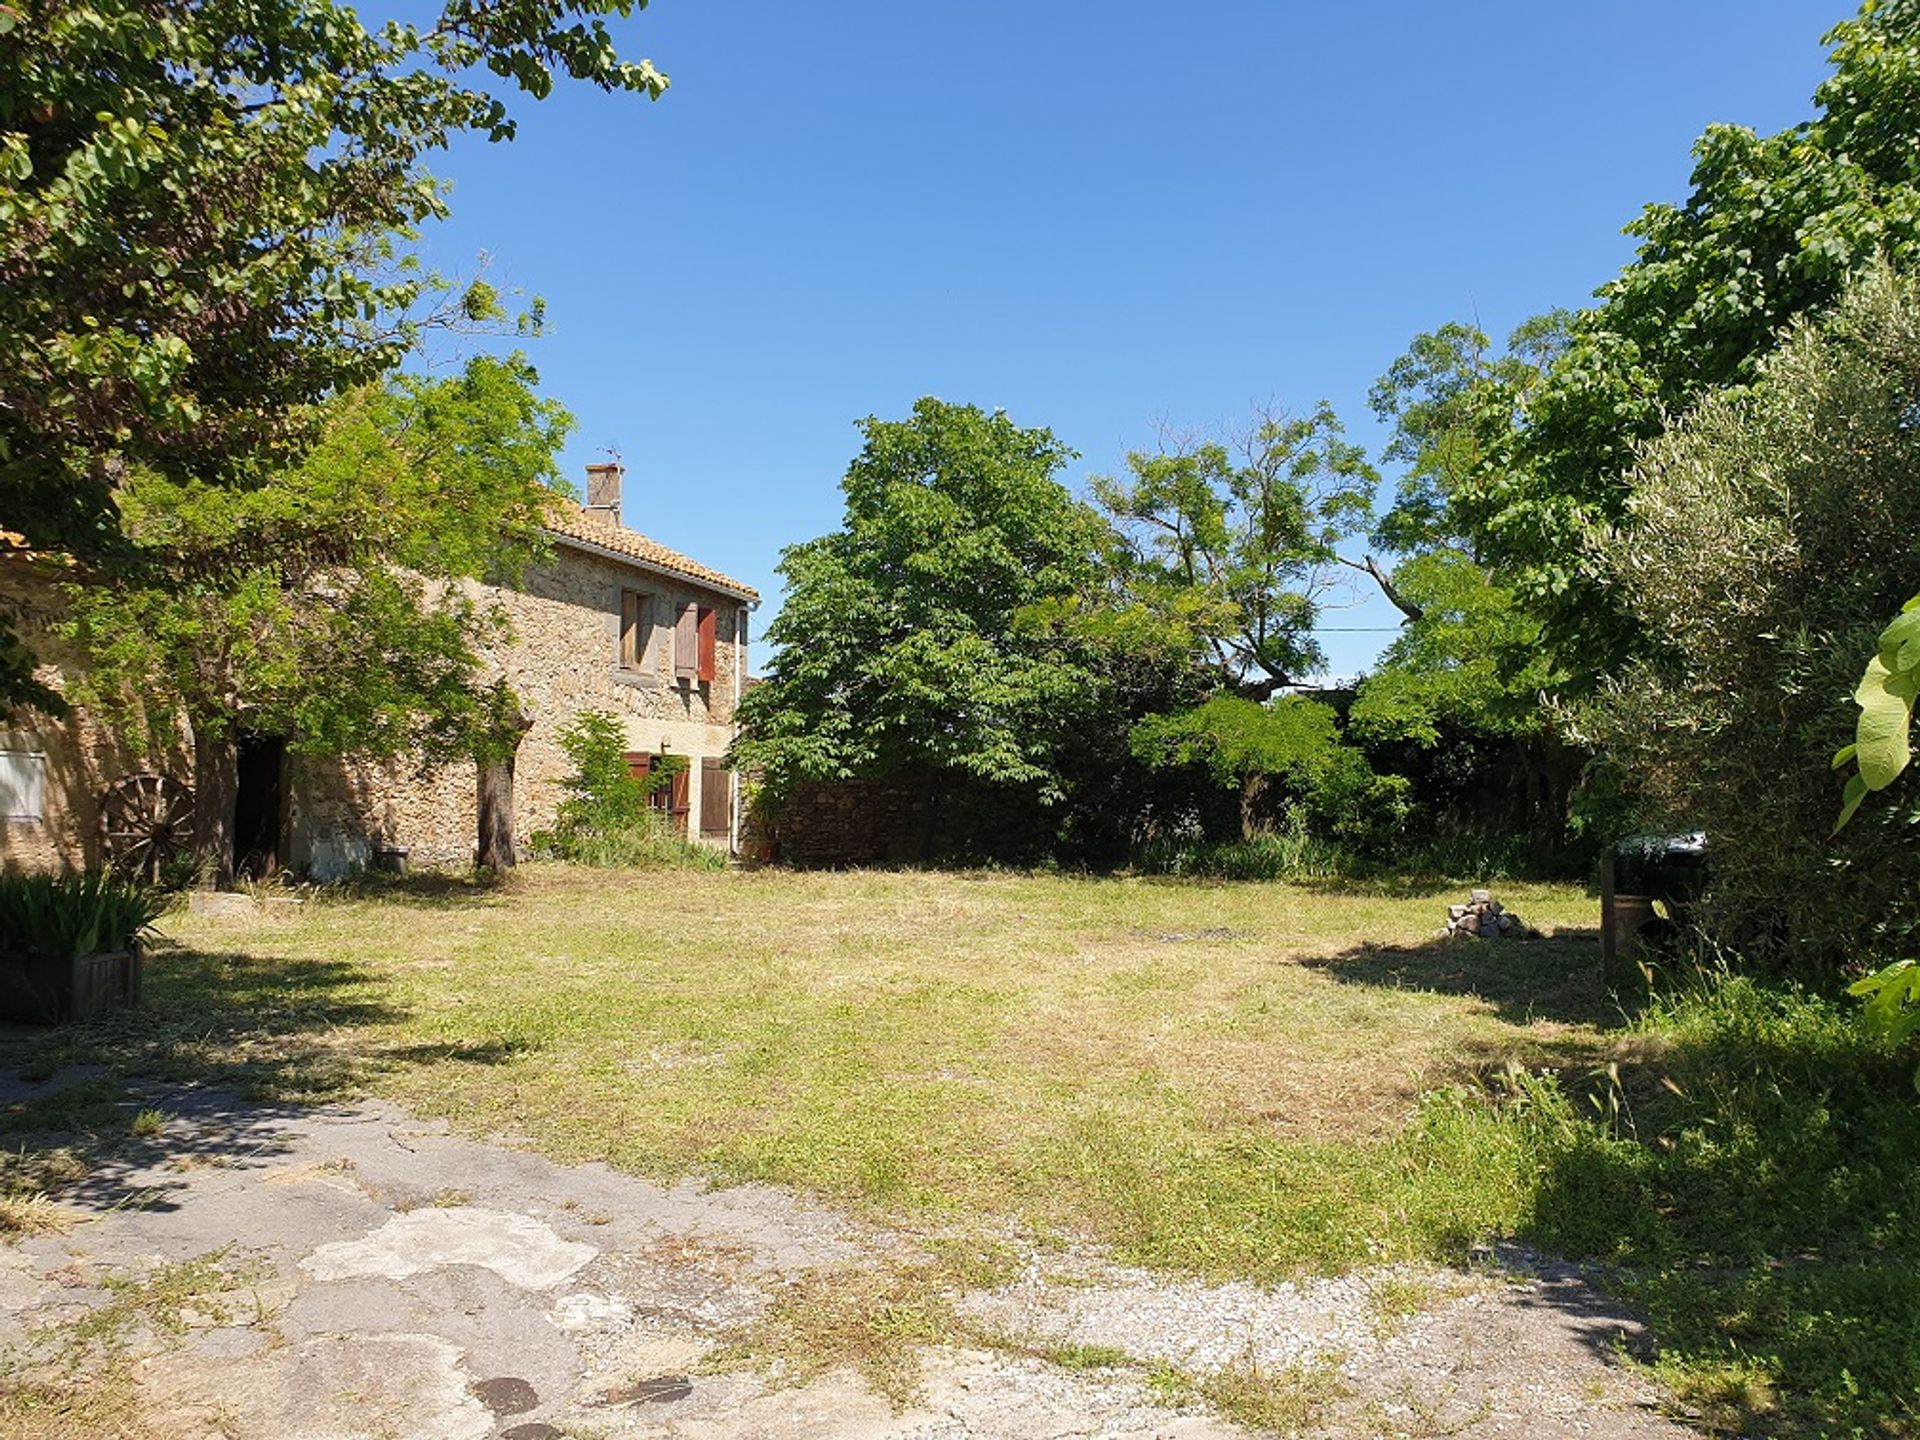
point(1761, 529)
point(204, 215)
point(1774, 229)
point(1471, 659)
point(1881, 746)
point(1291, 738)
point(908, 641)
point(1288, 854)
point(74, 914)
point(1753, 1177)
point(1893, 1003)
point(606, 818)
point(1293, 746)
point(1225, 552)
point(602, 795)
point(327, 607)
point(648, 845)
point(1456, 408)
point(1469, 671)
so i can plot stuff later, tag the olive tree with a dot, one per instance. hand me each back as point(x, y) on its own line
point(1768, 535)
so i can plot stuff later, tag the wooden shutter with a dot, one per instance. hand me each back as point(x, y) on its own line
point(709, 634)
point(716, 797)
point(629, 630)
point(678, 791)
point(639, 764)
point(686, 643)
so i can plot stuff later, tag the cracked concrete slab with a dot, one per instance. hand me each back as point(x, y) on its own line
point(517, 1248)
point(384, 1277)
point(326, 1387)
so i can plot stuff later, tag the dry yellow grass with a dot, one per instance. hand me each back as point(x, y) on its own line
point(1107, 1056)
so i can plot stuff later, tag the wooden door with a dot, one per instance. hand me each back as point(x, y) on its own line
point(716, 799)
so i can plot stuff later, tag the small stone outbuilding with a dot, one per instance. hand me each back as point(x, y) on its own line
point(611, 620)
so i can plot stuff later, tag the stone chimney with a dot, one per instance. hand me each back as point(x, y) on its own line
point(603, 489)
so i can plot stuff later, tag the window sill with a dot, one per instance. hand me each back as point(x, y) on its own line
point(636, 679)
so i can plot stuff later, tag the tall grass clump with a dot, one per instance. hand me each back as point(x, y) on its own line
point(1746, 1172)
point(73, 914)
point(1286, 855)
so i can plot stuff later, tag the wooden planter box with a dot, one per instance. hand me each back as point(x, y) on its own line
point(49, 990)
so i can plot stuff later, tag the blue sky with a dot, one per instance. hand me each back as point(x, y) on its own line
point(1093, 216)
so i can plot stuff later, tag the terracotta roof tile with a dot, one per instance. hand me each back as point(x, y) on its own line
point(568, 521)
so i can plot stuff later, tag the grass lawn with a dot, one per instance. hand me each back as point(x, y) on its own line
point(1206, 1076)
point(1233, 1080)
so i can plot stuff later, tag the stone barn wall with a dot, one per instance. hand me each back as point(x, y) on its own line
point(564, 657)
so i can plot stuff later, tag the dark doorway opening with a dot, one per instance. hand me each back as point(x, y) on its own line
point(259, 804)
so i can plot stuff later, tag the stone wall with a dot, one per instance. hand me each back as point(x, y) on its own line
point(855, 822)
point(77, 757)
point(563, 659)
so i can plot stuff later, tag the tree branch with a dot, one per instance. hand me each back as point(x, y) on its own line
point(1385, 581)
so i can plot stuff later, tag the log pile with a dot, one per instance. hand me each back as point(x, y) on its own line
point(1484, 918)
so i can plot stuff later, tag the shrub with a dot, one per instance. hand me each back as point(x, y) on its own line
point(79, 913)
point(1289, 854)
point(602, 795)
point(1767, 538)
point(606, 819)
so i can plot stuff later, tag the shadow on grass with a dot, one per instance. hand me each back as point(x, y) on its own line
point(1553, 978)
point(427, 890)
point(1752, 1182)
point(226, 1054)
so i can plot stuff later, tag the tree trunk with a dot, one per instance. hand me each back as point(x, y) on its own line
point(1252, 786)
point(495, 851)
point(216, 785)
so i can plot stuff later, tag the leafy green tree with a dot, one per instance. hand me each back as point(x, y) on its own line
point(906, 646)
point(1774, 228)
point(1760, 531)
point(1287, 749)
point(204, 209)
point(1227, 552)
point(1470, 662)
point(327, 608)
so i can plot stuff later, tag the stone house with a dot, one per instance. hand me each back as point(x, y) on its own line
point(610, 620)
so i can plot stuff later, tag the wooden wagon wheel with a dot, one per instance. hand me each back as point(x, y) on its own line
point(146, 824)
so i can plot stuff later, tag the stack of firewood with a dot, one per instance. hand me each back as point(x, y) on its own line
point(1484, 918)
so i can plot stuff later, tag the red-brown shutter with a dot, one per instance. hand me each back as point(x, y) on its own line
point(716, 798)
point(678, 802)
point(709, 628)
point(686, 643)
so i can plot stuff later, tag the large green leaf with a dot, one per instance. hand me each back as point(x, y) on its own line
point(1886, 711)
point(1901, 638)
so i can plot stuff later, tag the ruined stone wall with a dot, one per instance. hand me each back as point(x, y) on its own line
point(564, 658)
point(855, 822)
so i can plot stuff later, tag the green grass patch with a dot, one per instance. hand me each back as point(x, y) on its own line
point(1231, 1080)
